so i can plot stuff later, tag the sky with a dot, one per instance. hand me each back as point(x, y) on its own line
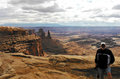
point(63, 12)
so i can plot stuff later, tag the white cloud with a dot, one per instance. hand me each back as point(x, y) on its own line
point(60, 11)
point(29, 2)
point(116, 7)
point(3, 3)
point(49, 9)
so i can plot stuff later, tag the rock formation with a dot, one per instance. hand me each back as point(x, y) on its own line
point(49, 35)
point(50, 45)
point(31, 31)
point(41, 33)
point(35, 48)
point(12, 31)
point(53, 46)
point(20, 42)
point(20, 66)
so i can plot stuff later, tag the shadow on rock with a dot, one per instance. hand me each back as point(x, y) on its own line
point(92, 72)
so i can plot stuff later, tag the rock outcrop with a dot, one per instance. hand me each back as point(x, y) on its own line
point(20, 66)
point(31, 31)
point(53, 46)
point(50, 46)
point(35, 48)
point(20, 42)
point(41, 33)
point(49, 35)
point(12, 31)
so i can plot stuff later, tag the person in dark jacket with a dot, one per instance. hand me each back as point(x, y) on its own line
point(100, 66)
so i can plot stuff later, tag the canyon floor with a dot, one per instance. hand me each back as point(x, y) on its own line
point(20, 66)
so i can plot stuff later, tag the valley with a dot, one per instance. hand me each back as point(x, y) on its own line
point(85, 40)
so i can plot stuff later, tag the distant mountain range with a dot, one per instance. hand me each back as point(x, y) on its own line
point(45, 25)
point(32, 24)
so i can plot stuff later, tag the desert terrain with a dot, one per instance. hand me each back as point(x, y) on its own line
point(85, 40)
point(59, 53)
point(21, 66)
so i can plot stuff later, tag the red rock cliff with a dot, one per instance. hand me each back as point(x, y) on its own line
point(21, 42)
point(35, 48)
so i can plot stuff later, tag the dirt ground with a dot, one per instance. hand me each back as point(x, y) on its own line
point(20, 66)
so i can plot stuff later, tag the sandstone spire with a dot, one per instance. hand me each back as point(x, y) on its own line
point(49, 35)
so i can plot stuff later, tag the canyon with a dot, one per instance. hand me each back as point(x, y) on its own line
point(44, 54)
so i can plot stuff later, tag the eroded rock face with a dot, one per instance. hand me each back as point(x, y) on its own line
point(31, 31)
point(35, 48)
point(21, 66)
point(27, 44)
point(12, 31)
point(30, 45)
point(49, 35)
point(41, 33)
point(6, 70)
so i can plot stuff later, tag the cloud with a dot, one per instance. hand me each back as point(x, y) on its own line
point(109, 16)
point(49, 9)
point(116, 7)
point(114, 15)
point(11, 14)
point(29, 11)
point(69, 7)
point(93, 10)
point(29, 2)
point(31, 6)
point(59, 11)
point(6, 12)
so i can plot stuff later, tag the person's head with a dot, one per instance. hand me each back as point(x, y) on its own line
point(103, 45)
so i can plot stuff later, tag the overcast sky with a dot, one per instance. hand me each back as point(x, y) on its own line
point(64, 12)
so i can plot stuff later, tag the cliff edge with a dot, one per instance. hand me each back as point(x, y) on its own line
point(18, 40)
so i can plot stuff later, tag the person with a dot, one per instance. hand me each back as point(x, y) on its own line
point(103, 59)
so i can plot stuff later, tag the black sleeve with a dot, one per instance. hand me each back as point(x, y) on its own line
point(112, 57)
point(96, 57)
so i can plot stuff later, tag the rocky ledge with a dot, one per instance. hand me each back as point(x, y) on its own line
point(18, 40)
